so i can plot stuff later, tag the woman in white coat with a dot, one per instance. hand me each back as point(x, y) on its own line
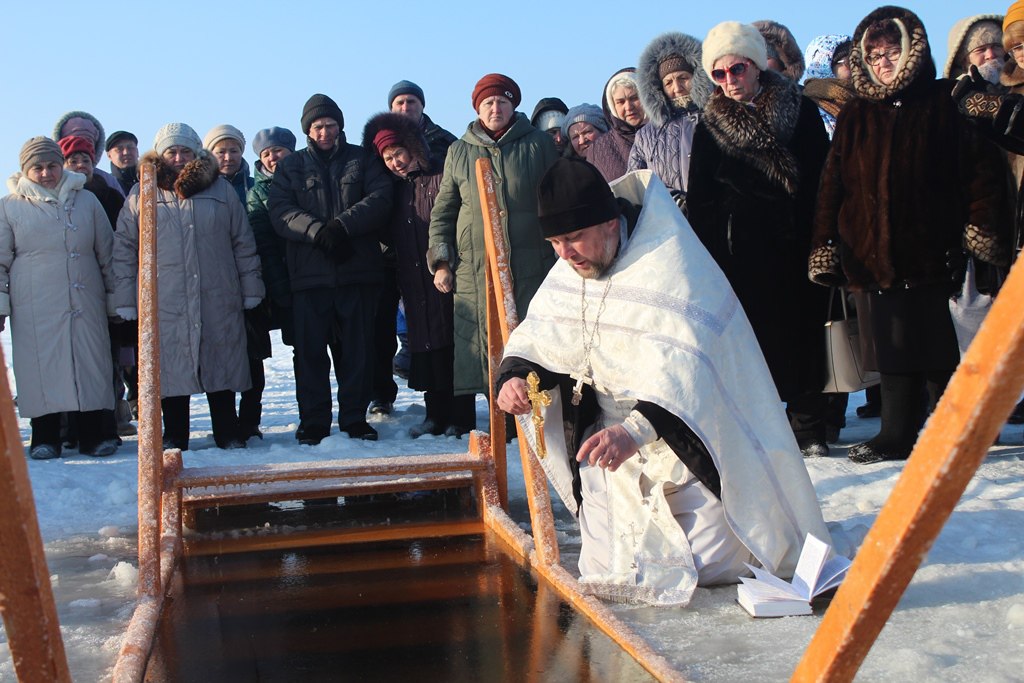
point(56, 286)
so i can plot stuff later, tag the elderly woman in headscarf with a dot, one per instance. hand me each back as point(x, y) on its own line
point(625, 116)
point(673, 89)
point(55, 286)
point(519, 154)
point(827, 77)
point(907, 186)
point(209, 272)
point(757, 156)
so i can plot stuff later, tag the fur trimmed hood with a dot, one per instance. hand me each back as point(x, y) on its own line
point(955, 48)
point(915, 64)
point(410, 134)
point(198, 174)
point(781, 40)
point(758, 134)
point(657, 105)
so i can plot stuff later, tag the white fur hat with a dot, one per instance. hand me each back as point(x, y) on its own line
point(734, 38)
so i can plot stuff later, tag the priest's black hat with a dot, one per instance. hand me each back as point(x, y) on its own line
point(573, 195)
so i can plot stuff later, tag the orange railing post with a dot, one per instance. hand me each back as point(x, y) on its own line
point(952, 446)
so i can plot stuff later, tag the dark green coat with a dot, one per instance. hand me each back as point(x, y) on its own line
point(519, 158)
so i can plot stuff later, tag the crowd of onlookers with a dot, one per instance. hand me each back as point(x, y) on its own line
point(852, 164)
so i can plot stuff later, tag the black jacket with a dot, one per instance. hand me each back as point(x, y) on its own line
point(309, 191)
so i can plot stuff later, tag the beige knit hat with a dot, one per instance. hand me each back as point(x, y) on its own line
point(223, 132)
point(734, 38)
point(37, 149)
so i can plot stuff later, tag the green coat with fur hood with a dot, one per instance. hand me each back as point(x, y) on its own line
point(520, 158)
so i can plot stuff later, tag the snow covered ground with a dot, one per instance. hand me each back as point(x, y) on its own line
point(962, 618)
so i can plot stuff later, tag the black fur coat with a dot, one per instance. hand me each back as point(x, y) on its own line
point(752, 186)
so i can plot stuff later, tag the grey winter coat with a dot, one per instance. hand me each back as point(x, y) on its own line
point(206, 266)
point(56, 286)
point(520, 158)
point(663, 145)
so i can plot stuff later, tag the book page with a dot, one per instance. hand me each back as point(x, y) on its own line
point(808, 567)
point(769, 580)
point(832, 574)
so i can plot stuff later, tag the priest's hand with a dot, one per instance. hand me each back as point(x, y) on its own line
point(608, 448)
point(513, 397)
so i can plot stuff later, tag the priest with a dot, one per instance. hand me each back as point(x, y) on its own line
point(664, 432)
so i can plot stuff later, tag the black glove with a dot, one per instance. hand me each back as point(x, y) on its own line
point(975, 97)
point(334, 239)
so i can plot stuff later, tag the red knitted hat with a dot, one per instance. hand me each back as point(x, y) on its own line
point(70, 144)
point(385, 138)
point(496, 84)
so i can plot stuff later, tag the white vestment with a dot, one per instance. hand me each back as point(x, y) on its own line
point(671, 333)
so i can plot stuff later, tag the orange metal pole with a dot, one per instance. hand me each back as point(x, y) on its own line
point(26, 597)
point(964, 425)
point(542, 521)
point(150, 438)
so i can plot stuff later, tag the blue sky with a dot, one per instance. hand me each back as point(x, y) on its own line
point(138, 65)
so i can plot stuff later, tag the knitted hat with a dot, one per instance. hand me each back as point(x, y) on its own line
point(967, 34)
point(673, 63)
point(39, 149)
point(73, 144)
point(549, 119)
point(117, 136)
point(496, 84)
point(273, 137)
point(585, 113)
point(177, 134)
point(320, 106)
point(573, 195)
point(58, 133)
point(406, 88)
point(1014, 13)
point(223, 132)
point(545, 105)
point(780, 39)
point(734, 38)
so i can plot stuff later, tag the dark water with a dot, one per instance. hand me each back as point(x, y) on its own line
point(453, 609)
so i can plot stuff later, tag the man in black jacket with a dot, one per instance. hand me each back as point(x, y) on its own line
point(330, 201)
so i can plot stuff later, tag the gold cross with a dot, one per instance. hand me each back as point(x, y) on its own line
point(538, 400)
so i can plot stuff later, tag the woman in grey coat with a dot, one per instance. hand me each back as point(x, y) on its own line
point(55, 285)
point(208, 271)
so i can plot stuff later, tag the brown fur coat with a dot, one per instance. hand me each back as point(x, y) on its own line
point(904, 177)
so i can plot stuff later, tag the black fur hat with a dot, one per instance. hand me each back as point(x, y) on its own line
point(395, 129)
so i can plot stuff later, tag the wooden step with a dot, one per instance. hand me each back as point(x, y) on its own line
point(276, 491)
point(273, 540)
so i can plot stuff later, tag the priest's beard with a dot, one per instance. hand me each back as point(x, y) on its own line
point(990, 71)
point(600, 266)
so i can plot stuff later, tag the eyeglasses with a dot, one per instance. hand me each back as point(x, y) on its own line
point(737, 69)
point(1017, 49)
point(890, 55)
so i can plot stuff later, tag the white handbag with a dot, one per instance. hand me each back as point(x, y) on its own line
point(846, 373)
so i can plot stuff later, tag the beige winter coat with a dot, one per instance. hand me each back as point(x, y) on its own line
point(55, 286)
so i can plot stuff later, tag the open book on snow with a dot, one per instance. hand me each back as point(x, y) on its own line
point(766, 595)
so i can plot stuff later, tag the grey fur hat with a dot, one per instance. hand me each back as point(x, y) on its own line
point(657, 105)
point(76, 114)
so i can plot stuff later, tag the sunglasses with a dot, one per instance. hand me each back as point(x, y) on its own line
point(737, 69)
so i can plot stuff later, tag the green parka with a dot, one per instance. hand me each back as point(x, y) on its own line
point(520, 157)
